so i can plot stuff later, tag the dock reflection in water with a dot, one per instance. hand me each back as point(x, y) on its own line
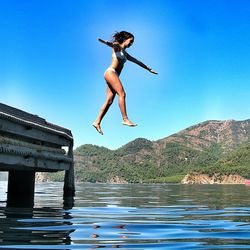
point(130, 217)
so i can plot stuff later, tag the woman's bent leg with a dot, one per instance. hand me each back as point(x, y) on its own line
point(115, 84)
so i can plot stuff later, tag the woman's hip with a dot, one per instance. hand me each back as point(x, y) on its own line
point(110, 69)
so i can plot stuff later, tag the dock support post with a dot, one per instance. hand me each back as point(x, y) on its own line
point(69, 177)
point(21, 187)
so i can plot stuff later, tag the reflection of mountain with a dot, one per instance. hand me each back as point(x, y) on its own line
point(220, 146)
point(3, 176)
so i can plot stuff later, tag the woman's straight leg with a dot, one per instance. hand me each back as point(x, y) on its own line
point(110, 95)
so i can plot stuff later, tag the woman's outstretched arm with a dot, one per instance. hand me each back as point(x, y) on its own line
point(134, 60)
point(110, 44)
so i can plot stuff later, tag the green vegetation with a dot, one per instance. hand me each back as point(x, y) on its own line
point(235, 162)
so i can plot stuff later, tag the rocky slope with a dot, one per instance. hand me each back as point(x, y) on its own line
point(216, 178)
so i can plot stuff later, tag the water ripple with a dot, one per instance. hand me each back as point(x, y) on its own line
point(180, 217)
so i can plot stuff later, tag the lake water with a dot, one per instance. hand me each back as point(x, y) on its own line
point(130, 217)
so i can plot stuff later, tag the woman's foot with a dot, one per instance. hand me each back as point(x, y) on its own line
point(97, 127)
point(127, 122)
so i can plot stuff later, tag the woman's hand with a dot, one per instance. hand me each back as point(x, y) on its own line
point(102, 41)
point(105, 42)
point(152, 71)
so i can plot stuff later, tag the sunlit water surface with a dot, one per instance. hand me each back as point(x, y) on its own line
point(129, 217)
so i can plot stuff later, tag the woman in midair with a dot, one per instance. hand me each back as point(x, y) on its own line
point(121, 41)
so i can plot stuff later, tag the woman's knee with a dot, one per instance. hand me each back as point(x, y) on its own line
point(110, 99)
point(122, 94)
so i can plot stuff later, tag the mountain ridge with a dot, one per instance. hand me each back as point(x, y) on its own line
point(198, 148)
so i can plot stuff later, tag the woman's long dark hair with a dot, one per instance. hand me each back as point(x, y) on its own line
point(121, 36)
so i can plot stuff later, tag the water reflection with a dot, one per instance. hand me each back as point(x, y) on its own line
point(130, 217)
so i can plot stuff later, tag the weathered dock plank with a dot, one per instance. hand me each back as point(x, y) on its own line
point(20, 127)
point(16, 156)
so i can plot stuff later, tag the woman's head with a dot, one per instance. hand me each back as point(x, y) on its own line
point(122, 37)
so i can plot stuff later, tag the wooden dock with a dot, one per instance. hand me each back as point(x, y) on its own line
point(29, 144)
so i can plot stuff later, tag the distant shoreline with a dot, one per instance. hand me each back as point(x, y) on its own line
point(191, 178)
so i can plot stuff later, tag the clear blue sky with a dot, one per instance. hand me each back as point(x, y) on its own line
point(51, 63)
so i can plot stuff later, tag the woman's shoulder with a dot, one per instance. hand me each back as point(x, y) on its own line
point(116, 46)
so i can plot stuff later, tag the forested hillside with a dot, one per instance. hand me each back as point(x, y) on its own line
point(208, 147)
